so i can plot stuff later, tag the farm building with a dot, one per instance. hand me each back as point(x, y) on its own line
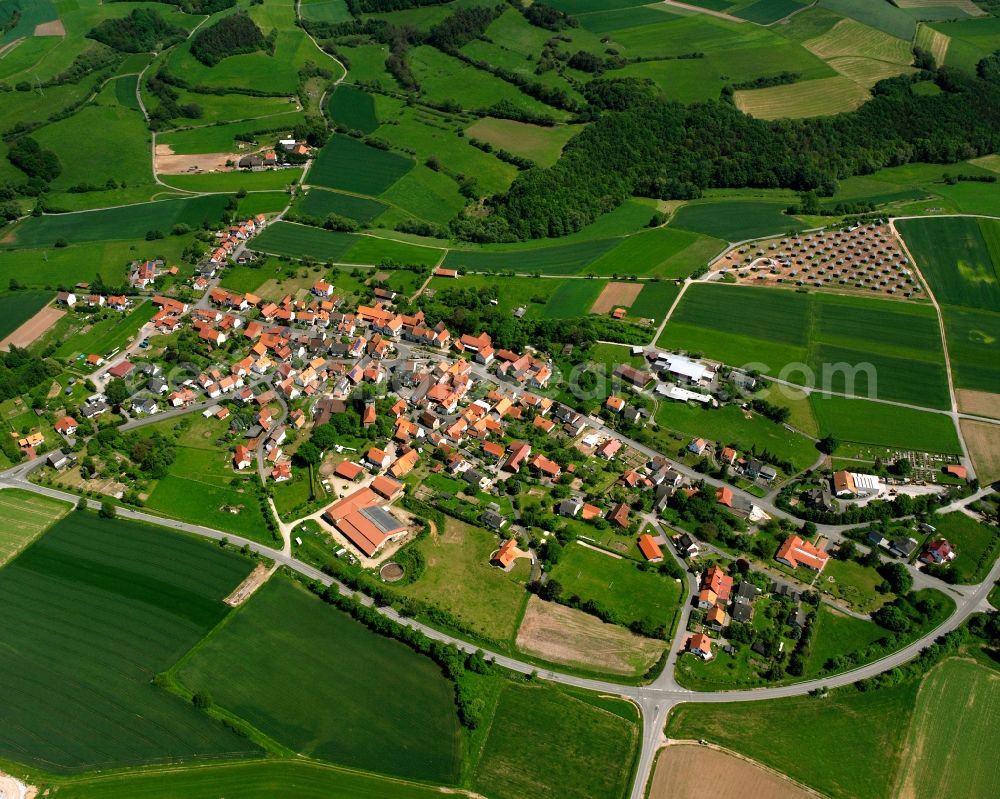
point(650, 549)
point(861, 485)
point(360, 519)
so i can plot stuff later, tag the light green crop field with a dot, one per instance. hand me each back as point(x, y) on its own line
point(977, 545)
point(959, 257)
point(544, 741)
point(93, 610)
point(966, 730)
point(302, 241)
point(766, 12)
point(256, 779)
point(325, 10)
point(565, 259)
point(829, 336)
point(460, 579)
point(123, 222)
point(376, 250)
point(573, 298)
point(348, 164)
point(663, 252)
point(342, 686)
point(19, 307)
point(618, 585)
point(809, 98)
point(320, 203)
point(541, 144)
point(883, 425)
point(26, 516)
point(846, 726)
point(425, 194)
point(201, 486)
point(654, 300)
point(974, 346)
point(735, 220)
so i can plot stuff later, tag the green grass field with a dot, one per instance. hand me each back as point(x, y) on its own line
point(258, 779)
point(375, 250)
point(846, 727)
point(618, 585)
point(566, 259)
point(735, 220)
point(353, 109)
point(460, 579)
point(320, 203)
point(17, 308)
point(542, 145)
point(548, 742)
point(974, 346)
point(124, 222)
point(222, 138)
point(765, 12)
point(965, 729)
point(883, 16)
point(94, 609)
point(654, 300)
point(883, 425)
point(271, 180)
point(664, 252)
point(977, 545)
point(348, 164)
point(572, 298)
point(201, 485)
point(27, 516)
point(341, 686)
point(302, 241)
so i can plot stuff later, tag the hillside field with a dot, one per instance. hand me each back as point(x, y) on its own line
point(94, 609)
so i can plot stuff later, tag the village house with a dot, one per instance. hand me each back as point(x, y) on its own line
point(795, 552)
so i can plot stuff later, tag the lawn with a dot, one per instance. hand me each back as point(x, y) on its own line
point(341, 686)
point(966, 730)
point(618, 585)
point(352, 108)
point(836, 634)
point(93, 610)
point(123, 222)
point(27, 515)
point(548, 742)
point(201, 485)
point(735, 220)
point(17, 308)
point(853, 584)
point(847, 727)
point(258, 779)
point(977, 545)
point(320, 203)
point(348, 164)
point(109, 334)
point(878, 424)
point(460, 579)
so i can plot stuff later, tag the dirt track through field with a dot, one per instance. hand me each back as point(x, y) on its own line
point(33, 328)
point(565, 635)
point(616, 295)
point(681, 772)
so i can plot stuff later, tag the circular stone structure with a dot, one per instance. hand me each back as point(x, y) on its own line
point(391, 572)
